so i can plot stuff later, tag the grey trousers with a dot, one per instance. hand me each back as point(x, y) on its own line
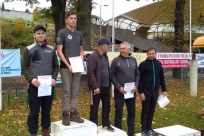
point(70, 89)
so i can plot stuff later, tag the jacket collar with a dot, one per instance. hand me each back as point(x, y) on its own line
point(36, 43)
point(150, 60)
point(129, 55)
point(97, 52)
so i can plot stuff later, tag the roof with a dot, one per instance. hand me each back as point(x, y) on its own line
point(149, 14)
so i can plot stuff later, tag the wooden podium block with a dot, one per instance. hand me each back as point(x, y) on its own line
point(118, 132)
point(87, 128)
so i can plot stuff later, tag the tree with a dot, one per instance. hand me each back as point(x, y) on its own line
point(27, 11)
point(58, 9)
point(84, 18)
point(2, 7)
point(178, 32)
point(15, 34)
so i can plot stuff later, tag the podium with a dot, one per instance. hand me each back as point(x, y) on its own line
point(87, 128)
point(176, 130)
point(118, 132)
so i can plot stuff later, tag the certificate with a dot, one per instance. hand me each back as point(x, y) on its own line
point(45, 88)
point(128, 87)
point(77, 64)
point(162, 101)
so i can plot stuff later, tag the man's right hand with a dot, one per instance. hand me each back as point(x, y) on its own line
point(142, 96)
point(70, 68)
point(35, 82)
point(97, 91)
point(122, 91)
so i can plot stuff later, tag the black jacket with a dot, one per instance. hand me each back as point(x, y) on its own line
point(94, 70)
point(151, 75)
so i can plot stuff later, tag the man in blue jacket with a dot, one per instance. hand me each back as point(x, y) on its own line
point(124, 70)
point(151, 78)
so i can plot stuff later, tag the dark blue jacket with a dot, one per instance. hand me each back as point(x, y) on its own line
point(151, 75)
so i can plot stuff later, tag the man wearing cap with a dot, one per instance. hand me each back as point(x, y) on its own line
point(99, 83)
point(69, 44)
point(124, 70)
point(39, 59)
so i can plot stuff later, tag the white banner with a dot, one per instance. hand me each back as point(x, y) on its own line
point(171, 56)
point(200, 58)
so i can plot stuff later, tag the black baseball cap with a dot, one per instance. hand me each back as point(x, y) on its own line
point(104, 41)
point(37, 27)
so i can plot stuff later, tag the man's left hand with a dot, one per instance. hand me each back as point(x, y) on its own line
point(53, 82)
point(164, 93)
point(134, 90)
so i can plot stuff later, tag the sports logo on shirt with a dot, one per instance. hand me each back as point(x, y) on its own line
point(69, 37)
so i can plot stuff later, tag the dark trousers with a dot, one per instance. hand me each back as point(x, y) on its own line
point(130, 104)
point(104, 96)
point(148, 108)
point(35, 103)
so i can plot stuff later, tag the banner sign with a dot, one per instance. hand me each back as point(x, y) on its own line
point(173, 56)
point(200, 58)
point(174, 60)
point(10, 62)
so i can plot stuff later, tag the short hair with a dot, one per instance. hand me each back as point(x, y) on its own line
point(69, 13)
point(126, 43)
point(151, 48)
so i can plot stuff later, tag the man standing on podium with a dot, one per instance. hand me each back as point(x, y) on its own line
point(69, 44)
point(99, 83)
point(151, 78)
point(39, 59)
point(124, 70)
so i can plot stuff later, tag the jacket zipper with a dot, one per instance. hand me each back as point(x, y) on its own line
point(127, 62)
point(153, 74)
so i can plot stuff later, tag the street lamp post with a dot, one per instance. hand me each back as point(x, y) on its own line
point(100, 14)
point(113, 28)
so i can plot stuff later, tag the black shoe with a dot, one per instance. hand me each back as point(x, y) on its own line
point(109, 128)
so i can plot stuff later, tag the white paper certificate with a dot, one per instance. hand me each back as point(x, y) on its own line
point(162, 101)
point(77, 64)
point(128, 87)
point(45, 88)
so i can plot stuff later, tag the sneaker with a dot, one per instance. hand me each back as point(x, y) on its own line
point(109, 128)
point(152, 132)
point(145, 133)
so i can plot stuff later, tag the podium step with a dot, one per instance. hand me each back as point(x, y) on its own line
point(118, 132)
point(175, 130)
point(87, 128)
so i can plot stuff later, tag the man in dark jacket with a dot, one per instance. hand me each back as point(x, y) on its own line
point(39, 59)
point(124, 70)
point(99, 83)
point(151, 78)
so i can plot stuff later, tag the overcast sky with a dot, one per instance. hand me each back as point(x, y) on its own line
point(120, 6)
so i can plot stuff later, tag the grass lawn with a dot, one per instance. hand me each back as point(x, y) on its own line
point(182, 110)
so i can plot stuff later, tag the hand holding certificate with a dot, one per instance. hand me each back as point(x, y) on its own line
point(162, 101)
point(77, 64)
point(128, 87)
point(45, 88)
